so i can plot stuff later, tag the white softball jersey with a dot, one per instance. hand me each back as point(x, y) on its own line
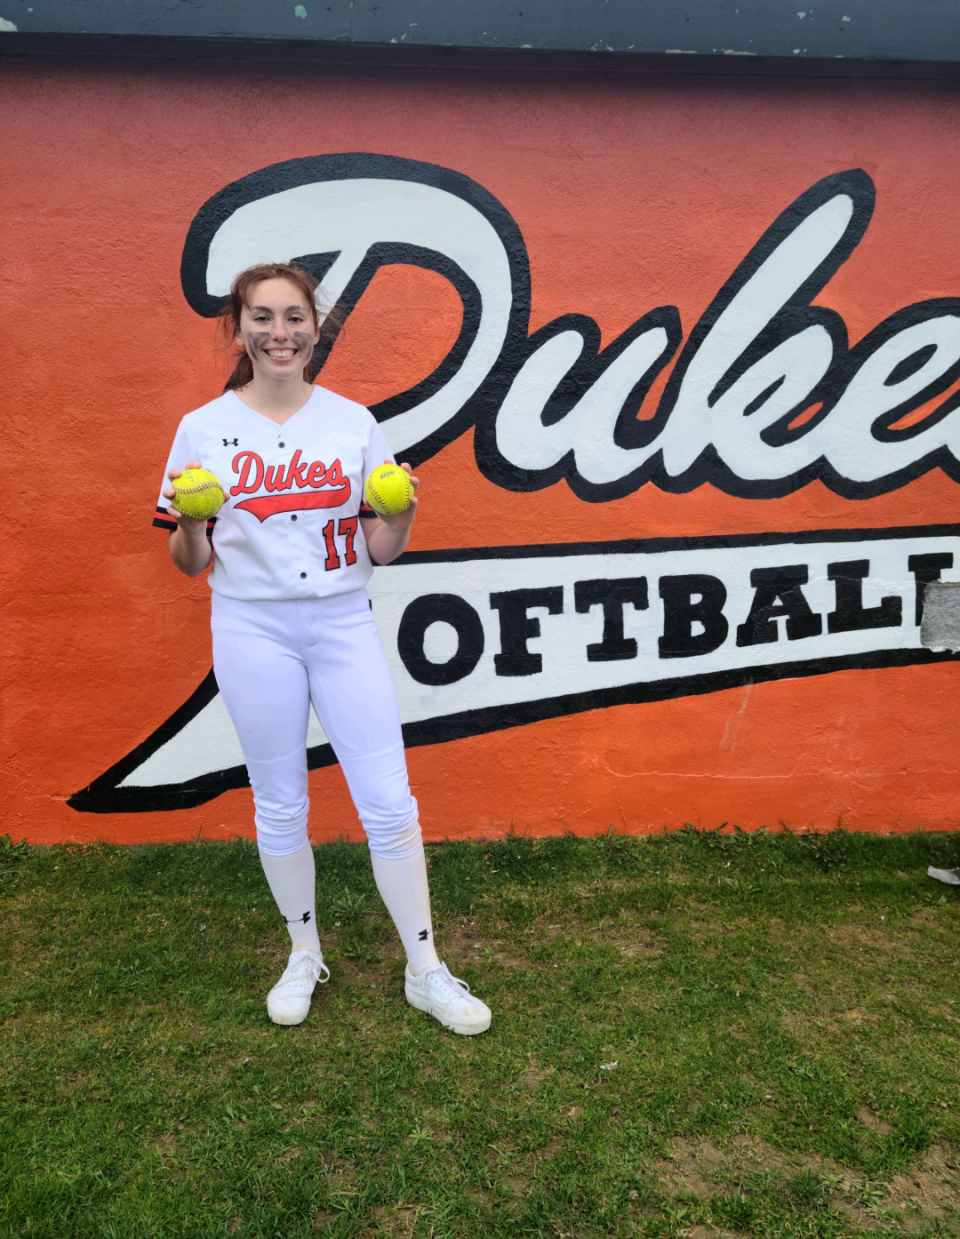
point(290, 526)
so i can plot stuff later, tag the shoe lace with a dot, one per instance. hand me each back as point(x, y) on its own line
point(307, 963)
point(444, 979)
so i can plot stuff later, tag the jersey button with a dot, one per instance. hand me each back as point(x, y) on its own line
point(294, 517)
point(303, 576)
point(283, 445)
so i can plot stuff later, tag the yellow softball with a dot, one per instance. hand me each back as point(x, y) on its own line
point(389, 490)
point(199, 494)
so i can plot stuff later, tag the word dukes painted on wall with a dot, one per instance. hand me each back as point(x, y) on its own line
point(764, 395)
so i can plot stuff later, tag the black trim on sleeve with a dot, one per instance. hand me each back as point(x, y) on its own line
point(163, 520)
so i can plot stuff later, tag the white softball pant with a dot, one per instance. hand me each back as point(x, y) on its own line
point(271, 659)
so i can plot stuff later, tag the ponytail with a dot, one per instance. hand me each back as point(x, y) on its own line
point(242, 373)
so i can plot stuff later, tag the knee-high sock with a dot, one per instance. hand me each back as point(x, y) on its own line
point(293, 884)
point(402, 883)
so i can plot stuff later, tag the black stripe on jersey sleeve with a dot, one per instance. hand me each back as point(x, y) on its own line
point(163, 520)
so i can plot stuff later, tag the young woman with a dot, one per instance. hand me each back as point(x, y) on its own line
point(292, 550)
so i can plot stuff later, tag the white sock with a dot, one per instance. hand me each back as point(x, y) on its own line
point(403, 887)
point(293, 884)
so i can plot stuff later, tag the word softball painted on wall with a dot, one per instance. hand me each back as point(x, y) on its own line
point(763, 396)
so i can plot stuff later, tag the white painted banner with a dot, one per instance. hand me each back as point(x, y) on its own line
point(487, 638)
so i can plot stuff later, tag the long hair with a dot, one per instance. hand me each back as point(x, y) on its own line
point(229, 316)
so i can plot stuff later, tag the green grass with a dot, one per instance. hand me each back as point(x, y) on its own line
point(694, 1035)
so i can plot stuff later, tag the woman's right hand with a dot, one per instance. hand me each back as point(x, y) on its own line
point(191, 553)
point(187, 523)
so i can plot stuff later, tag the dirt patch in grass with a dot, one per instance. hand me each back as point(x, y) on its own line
point(932, 1184)
point(462, 948)
point(512, 963)
point(846, 1195)
point(855, 1016)
point(549, 1150)
point(460, 941)
point(923, 918)
point(867, 1117)
point(630, 939)
point(397, 1219)
point(834, 1024)
point(752, 1154)
point(637, 943)
point(873, 940)
point(535, 1073)
point(688, 1161)
point(927, 1193)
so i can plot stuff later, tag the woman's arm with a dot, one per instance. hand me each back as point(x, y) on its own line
point(190, 550)
point(387, 536)
point(190, 547)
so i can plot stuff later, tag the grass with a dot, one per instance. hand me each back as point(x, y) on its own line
point(698, 1034)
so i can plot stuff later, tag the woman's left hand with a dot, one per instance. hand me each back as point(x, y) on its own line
point(401, 521)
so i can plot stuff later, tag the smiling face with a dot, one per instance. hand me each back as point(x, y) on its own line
point(278, 329)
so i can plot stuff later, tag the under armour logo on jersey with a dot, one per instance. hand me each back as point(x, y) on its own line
point(423, 935)
point(296, 919)
point(235, 442)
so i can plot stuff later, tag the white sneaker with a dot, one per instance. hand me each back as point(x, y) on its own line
point(289, 1000)
point(447, 999)
point(950, 876)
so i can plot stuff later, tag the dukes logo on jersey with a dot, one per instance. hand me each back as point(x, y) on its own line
point(293, 488)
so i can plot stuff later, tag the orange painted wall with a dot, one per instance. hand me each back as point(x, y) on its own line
point(630, 194)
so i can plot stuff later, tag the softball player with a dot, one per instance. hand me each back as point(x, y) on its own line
point(292, 550)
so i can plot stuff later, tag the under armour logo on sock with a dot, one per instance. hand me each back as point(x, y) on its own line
point(424, 935)
point(235, 442)
point(297, 919)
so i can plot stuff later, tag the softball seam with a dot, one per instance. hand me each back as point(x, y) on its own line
point(193, 490)
point(197, 489)
point(386, 512)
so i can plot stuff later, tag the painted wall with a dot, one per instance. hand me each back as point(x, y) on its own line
point(677, 360)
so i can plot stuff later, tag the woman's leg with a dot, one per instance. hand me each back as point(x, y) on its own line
point(263, 682)
point(353, 694)
point(402, 882)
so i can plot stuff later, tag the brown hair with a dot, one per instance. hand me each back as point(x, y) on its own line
point(229, 316)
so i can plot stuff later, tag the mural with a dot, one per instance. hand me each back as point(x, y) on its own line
point(764, 397)
point(676, 357)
